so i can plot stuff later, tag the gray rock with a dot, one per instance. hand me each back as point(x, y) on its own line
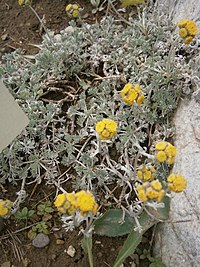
point(41, 241)
point(181, 9)
point(178, 241)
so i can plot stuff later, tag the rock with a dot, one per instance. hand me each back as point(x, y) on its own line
point(4, 36)
point(71, 251)
point(178, 241)
point(181, 9)
point(41, 241)
point(60, 242)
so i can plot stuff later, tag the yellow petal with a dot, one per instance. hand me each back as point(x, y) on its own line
point(100, 126)
point(68, 7)
point(183, 32)
point(161, 156)
point(161, 145)
point(183, 23)
point(188, 40)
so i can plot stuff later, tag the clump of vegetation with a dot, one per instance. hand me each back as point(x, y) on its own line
point(24, 214)
point(100, 99)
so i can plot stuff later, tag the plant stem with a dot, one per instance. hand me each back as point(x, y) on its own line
point(41, 22)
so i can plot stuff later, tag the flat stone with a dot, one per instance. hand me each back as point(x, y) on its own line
point(41, 241)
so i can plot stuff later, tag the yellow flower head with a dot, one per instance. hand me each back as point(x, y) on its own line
point(24, 2)
point(151, 191)
point(5, 206)
point(72, 10)
point(188, 30)
point(82, 201)
point(66, 203)
point(188, 40)
point(165, 152)
point(130, 94)
point(183, 32)
point(86, 202)
point(176, 183)
point(141, 191)
point(106, 129)
point(146, 173)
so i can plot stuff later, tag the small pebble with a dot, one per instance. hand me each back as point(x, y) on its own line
point(71, 251)
point(41, 241)
point(60, 242)
point(4, 36)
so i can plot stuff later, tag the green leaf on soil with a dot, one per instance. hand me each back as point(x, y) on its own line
point(134, 238)
point(86, 244)
point(113, 224)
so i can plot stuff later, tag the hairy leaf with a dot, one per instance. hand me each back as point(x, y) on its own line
point(113, 224)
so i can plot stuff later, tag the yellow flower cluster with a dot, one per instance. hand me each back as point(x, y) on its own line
point(82, 201)
point(165, 152)
point(188, 30)
point(5, 206)
point(106, 129)
point(24, 2)
point(151, 191)
point(66, 203)
point(176, 183)
point(73, 10)
point(146, 173)
point(130, 94)
point(86, 202)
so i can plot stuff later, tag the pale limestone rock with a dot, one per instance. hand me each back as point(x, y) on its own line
point(181, 9)
point(178, 241)
point(71, 251)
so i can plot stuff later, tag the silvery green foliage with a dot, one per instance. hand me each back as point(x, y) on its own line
point(98, 60)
